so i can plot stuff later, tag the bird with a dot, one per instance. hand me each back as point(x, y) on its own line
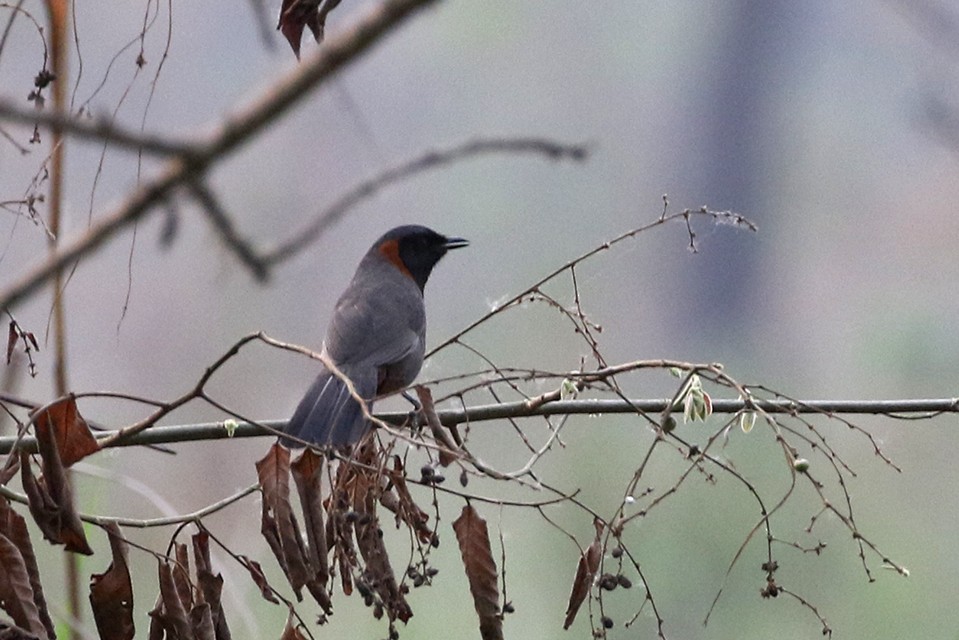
point(376, 336)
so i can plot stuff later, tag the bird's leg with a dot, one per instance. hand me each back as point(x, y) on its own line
point(414, 415)
point(417, 407)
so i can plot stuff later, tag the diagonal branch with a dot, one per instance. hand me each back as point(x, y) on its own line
point(220, 219)
point(259, 262)
point(337, 52)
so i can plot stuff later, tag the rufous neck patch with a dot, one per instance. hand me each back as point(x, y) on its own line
point(391, 251)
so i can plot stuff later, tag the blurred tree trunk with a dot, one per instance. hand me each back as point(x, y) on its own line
point(739, 91)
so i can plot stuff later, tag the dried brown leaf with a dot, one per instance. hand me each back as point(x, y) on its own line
point(473, 538)
point(201, 620)
point(259, 579)
point(448, 450)
point(585, 572)
point(378, 572)
point(308, 473)
point(111, 593)
point(278, 524)
point(62, 421)
point(42, 508)
point(171, 612)
point(14, 527)
point(157, 629)
point(295, 15)
point(181, 575)
point(344, 553)
point(16, 592)
point(51, 499)
point(59, 429)
point(408, 511)
point(201, 553)
point(211, 586)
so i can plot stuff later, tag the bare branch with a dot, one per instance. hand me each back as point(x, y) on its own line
point(429, 160)
point(221, 220)
point(250, 121)
point(902, 409)
point(96, 129)
point(147, 523)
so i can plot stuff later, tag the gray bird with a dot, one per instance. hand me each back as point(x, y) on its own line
point(377, 336)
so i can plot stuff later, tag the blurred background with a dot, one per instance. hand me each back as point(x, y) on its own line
point(830, 125)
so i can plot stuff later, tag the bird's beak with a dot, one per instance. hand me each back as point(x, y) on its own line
point(455, 243)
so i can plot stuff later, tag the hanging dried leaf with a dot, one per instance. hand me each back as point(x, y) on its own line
point(16, 592)
point(404, 507)
point(170, 612)
point(256, 573)
point(111, 593)
point(51, 499)
point(449, 452)
point(14, 527)
point(297, 14)
point(202, 622)
point(211, 586)
point(339, 524)
point(378, 573)
point(63, 422)
point(157, 629)
point(278, 524)
point(307, 473)
point(585, 572)
point(473, 538)
point(181, 575)
point(340, 539)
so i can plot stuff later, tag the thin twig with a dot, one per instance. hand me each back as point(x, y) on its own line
point(429, 160)
point(141, 523)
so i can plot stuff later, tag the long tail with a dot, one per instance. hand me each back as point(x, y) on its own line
point(328, 414)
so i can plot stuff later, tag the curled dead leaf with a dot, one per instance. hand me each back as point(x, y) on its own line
point(473, 538)
point(51, 498)
point(62, 423)
point(585, 572)
point(16, 592)
point(111, 593)
point(210, 584)
point(278, 524)
point(14, 527)
point(259, 579)
point(295, 15)
point(308, 474)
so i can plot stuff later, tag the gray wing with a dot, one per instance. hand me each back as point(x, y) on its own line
point(379, 320)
